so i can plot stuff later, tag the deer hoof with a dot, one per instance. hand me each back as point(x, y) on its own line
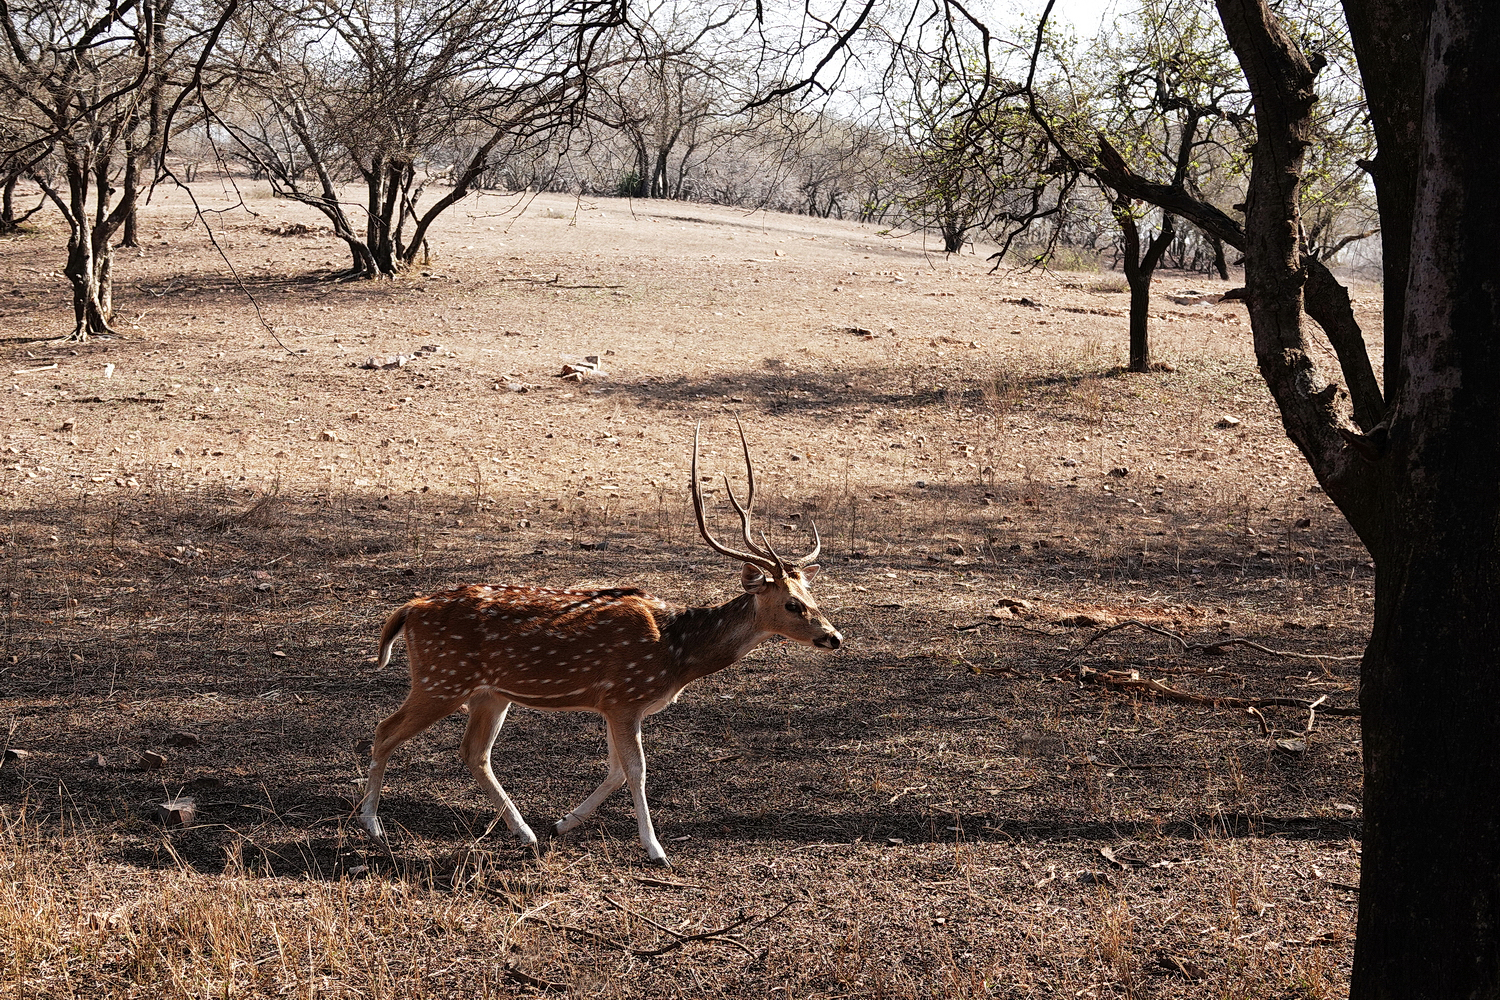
point(373, 827)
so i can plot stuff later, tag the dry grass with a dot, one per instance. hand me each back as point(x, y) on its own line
point(937, 810)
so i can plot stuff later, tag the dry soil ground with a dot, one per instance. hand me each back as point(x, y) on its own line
point(207, 519)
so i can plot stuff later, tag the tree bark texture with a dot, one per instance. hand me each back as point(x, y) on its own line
point(131, 183)
point(91, 225)
point(1388, 37)
point(1314, 411)
point(1429, 914)
point(1220, 264)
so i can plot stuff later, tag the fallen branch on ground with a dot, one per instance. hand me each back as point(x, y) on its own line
point(1205, 647)
point(555, 282)
point(682, 939)
point(717, 935)
point(510, 971)
point(1000, 623)
point(1132, 679)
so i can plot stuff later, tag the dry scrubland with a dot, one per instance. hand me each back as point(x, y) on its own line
point(198, 552)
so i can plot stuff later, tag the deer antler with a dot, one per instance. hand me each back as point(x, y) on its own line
point(756, 557)
point(817, 546)
point(762, 555)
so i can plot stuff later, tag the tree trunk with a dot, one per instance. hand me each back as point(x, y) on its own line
point(1220, 264)
point(89, 269)
point(90, 257)
point(1388, 38)
point(642, 170)
point(1140, 317)
point(377, 221)
point(8, 223)
point(131, 181)
point(1313, 409)
point(1429, 905)
point(659, 176)
point(1138, 270)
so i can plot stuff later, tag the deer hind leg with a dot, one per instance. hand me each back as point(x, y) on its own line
point(607, 787)
point(486, 716)
point(418, 712)
point(625, 737)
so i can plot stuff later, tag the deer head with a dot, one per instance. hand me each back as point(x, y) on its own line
point(782, 590)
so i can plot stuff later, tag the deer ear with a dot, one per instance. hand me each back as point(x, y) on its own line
point(810, 573)
point(753, 579)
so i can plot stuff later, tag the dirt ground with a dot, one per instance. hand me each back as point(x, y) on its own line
point(208, 518)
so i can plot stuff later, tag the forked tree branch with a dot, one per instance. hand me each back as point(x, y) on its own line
point(1324, 298)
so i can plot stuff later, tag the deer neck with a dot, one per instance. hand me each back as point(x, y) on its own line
point(703, 641)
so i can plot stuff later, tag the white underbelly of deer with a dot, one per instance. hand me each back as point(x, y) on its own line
point(621, 653)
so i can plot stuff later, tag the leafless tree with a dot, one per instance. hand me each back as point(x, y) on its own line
point(674, 90)
point(96, 90)
point(402, 96)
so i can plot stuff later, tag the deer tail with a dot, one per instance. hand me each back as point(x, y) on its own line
point(388, 634)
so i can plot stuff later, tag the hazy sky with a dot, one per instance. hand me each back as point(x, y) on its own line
point(1084, 15)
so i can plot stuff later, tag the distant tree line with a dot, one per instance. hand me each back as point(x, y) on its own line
point(383, 115)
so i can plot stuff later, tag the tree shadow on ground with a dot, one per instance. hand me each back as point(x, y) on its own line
point(248, 620)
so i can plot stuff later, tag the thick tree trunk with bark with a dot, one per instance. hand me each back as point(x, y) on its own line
point(1422, 484)
point(91, 226)
point(8, 223)
point(89, 270)
point(952, 232)
point(1388, 37)
point(1429, 921)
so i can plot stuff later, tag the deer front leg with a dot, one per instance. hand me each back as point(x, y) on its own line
point(627, 743)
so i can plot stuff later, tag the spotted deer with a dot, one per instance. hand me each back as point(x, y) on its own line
point(620, 652)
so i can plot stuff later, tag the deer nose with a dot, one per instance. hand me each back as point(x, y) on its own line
point(830, 641)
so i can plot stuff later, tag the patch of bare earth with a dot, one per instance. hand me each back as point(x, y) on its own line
point(966, 800)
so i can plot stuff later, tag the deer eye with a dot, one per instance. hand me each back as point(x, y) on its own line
point(795, 607)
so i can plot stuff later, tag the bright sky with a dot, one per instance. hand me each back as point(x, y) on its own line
point(1084, 15)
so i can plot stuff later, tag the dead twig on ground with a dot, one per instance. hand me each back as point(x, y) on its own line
point(679, 938)
point(1205, 647)
point(1132, 679)
point(998, 623)
point(682, 939)
point(555, 282)
point(515, 975)
point(586, 933)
